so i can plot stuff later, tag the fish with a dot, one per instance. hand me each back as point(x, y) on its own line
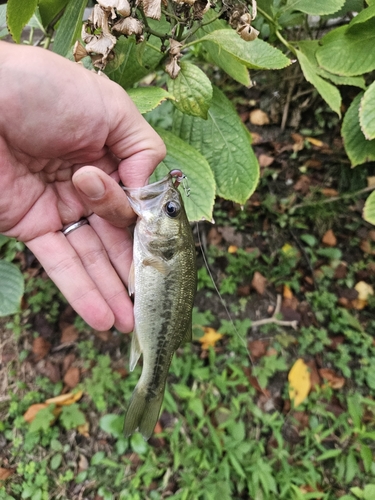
point(163, 280)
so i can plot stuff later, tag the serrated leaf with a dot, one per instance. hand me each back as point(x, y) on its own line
point(299, 382)
point(357, 147)
point(132, 63)
point(18, 14)
point(367, 459)
point(192, 90)
point(316, 7)
point(256, 54)
point(226, 144)
point(213, 53)
point(362, 17)
point(199, 205)
point(69, 29)
point(348, 53)
point(71, 416)
point(11, 288)
point(367, 112)
point(309, 48)
point(328, 91)
point(369, 209)
point(148, 98)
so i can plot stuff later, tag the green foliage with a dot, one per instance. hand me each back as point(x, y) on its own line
point(11, 288)
point(18, 14)
point(369, 209)
point(69, 28)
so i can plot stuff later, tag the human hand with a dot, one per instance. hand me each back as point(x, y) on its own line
point(67, 136)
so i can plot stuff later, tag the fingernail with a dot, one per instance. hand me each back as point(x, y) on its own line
point(91, 186)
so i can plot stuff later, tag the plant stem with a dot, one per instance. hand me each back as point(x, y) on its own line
point(278, 34)
point(333, 199)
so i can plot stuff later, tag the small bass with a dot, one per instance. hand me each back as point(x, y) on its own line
point(163, 280)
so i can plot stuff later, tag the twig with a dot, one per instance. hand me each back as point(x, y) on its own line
point(273, 319)
point(332, 199)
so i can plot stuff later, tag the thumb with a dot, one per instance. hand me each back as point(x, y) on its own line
point(102, 195)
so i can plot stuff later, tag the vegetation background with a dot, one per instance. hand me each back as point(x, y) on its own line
point(275, 400)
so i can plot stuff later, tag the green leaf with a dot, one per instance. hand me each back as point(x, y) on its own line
point(309, 48)
point(256, 54)
point(357, 147)
point(328, 454)
point(316, 7)
point(361, 18)
point(369, 492)
point(70, 25)
point(132, 62)
point(367, 112)
point(148, 98)
point(355, 410)
point(55, 461)
point(367, 458)
point(43, 419)
point(138, 444)
point(192, 90)
point(18, 14)
point(49, 9)
point(112, 424)
point(328, 91)
point(351, 467)
point(180, 155)
point(71, 416)
point(11, 288)
point(369, 209)
point(226, 145)
point(348, 53)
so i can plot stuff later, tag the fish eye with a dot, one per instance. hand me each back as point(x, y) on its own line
point(172, 209)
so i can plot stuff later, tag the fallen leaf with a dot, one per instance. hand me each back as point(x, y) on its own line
point(287, 292)
point(214, 237)
point(65, 399)
point(158, 428)
point(32, 411)
point(265, 160)
point(329, 192)
point(84, 429)
point(329, 239)
point(258, 117)
point(83, 463)
point(69, 334)
point(366, 247)
point(299, 142)
point(256, 138)
point(313, 163)
point(40, 348)
point(210, 337)
point(303, 184)
point(258, 348)
point(334, 380)
point(232, 249)
point(364, 290)
point(259, 282)
point(68, 361)
point(71, 377)
point(371, 181)
point(314, 374)
point(5, 473)
point(299, 382)
point(315, 142)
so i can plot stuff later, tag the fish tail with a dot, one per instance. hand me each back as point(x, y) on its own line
point(142, 414)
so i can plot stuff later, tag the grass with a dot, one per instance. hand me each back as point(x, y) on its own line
point(228, 429)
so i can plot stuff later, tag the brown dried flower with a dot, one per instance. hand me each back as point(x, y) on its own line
point(129, 26)
point(172, 67)
point(79, 51)
point(152, 8)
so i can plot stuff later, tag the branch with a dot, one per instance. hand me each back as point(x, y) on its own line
point(273, 319)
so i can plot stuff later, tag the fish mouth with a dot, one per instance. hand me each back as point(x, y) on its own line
point(141, 199)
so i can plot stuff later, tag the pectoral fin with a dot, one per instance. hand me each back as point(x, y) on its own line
point(135, 351)
point(158, 264)
point(131, 280)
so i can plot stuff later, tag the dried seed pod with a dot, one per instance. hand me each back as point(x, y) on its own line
point(172, 67)
point(103, 45)
point(248, 33)
point(129, 26)
point(79, 51)
point(86, 37)
point(152, 8)
point(123, 8)
point(175, 47)
point(200, 8)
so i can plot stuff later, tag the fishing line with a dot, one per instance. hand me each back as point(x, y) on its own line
point(243, 341)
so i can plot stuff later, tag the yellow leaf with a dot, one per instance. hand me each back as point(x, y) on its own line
point(232, 249)
point(299, 382)
point(84, 429)
point(210, 337)
point(65, 399)
point(364, 290)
